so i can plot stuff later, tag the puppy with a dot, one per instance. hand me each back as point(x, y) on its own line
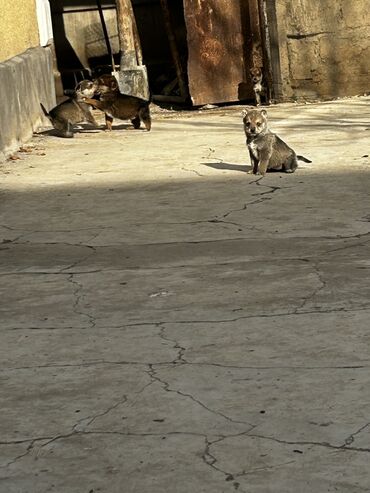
point(117, 105)
point(266, 149)
point(258, 86)
point(72, 111)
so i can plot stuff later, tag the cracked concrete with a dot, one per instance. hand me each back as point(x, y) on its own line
point(171, 323)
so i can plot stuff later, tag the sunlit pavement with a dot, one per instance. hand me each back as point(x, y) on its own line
point(170, 323)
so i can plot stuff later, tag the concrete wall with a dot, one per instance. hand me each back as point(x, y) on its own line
point(18, 27)
point(78, 32)
point(26, 81)
point(86, 34)
point(324, 47)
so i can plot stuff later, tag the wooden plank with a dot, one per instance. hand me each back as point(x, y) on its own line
point(274, 49)
point(217, 70)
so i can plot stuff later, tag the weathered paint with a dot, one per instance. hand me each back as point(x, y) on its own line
point(217, 69)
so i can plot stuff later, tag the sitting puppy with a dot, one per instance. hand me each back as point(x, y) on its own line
point(117, 105)
point(258, 87)
point(72, 111)
point(266, 149)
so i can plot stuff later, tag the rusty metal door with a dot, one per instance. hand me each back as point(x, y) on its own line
point(216, 33)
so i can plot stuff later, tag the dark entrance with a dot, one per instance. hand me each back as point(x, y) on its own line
point(212, 42)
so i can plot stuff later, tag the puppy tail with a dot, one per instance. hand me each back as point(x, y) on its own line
point(45, 112)
point(302, 158)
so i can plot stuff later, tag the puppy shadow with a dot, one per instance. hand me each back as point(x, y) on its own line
point(82, 128)
point(126, 126)
point(229, 166)
point(236, 167)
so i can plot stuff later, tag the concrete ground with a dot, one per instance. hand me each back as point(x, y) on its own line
point(170, 323)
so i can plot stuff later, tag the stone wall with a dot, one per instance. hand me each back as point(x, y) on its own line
point(26, 80)
point(324, 48)
point(18, 27)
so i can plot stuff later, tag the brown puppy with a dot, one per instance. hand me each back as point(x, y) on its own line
point(117, 105)
point(72, 111)
point(258, 86)
point(266, 149)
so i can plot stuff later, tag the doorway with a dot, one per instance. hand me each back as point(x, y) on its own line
point(214, 39)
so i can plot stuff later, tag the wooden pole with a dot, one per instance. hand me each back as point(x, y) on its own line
point(266, 48)
point(132, 76)
point(137, 43)
point(173, 47)
point(126, 34)
point(255, 29)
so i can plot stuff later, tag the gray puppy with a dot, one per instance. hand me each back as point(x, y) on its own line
point(72, 111)
point(266, 149)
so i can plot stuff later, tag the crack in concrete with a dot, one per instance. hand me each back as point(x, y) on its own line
point(244, 208)
point(183, 362)
point(264, 468)
point(229, 240)
point(48, 328)
point(19, 457)
point(166, 386)
point(204, 221)
point(192, 171)
point(71, 230)
point(75, 431)
point(180, 349)
point(88, 420)
point(51, 273)
point(85, 364)
point(210, 460)
point(208, 457)
point(214, 321)
point(29, 232)
point(80, 261)
point(78, 296)
point(322, 285)
point(220, 221)
point(308, 258)
point(351, 438)
point(316, 444)
point(346, 247)
point(271, 189)
point(259, 183)
point(246, 317)
point(28, 450)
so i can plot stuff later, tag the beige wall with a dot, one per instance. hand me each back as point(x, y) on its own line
point(324, 47)
point(85, 34)
point(18, 27)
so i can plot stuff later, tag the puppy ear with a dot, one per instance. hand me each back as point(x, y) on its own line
point(244, 113)
point(264, 113)
point(114, 84)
